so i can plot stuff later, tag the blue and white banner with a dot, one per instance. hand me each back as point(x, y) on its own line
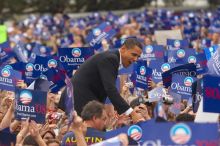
point(182, 56)
point(57, 77)
point(39, 50)
point(201, 63)
point(211, 94)
point(173, 134)
point(197, 94)
point(153, 52)
point(143, 75)
point(9, 78)
point(98, 34)
point(40, 65)
point(177, 44)
point(72, 58)
point(158, 67)
point(19, 50)
point(5, 52)
point(182, 85)
point(186, 70)
point(30, 103)
point(214, 63)
point(209, 52)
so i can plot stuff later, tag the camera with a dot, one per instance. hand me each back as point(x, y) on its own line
point(167, 100)
point(129, 85)
point(144, 101)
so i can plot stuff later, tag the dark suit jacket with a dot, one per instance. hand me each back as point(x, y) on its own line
point(95, 80)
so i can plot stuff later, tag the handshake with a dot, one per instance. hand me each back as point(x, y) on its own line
point(136, 117)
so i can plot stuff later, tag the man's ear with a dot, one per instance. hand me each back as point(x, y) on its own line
point(94, 118)
point(123, 48)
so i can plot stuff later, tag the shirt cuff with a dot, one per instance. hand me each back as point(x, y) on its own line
point(129, 111)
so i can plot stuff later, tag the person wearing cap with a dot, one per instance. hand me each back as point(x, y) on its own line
point(95, 79)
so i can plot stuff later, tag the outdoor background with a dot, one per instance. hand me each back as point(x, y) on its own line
point(11, 9)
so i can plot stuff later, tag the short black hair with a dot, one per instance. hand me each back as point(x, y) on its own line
point(93, 108)
point(132, 42)
point(29, 140)
point(185, 117)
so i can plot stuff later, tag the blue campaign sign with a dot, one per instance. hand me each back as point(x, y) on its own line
point(5, 52)
point(39, 50)
point(172, 134)
point(182, 85)
point(7, 138)
point(211, 93)
point(158, 67)
point(143, 74)
point(72, 58)
point(19, 52)
point(40, 65)
point(213, 63)
point(186, 70)
point(103, 31)
point(30, 103)
point(8, 78)
point(25, 69)
point(201, 63)
point(174, 44)
point(197, 94)
point(210, 51)
point(28, 49)
point(153, 52)
point(66, 40)
point(182, 56)
point(57, 77)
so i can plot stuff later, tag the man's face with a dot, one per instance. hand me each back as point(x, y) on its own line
point(130, 55)
point(100, 123)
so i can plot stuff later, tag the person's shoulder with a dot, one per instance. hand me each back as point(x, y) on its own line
point(111, 54)
point(68, 135)
point(94, 132)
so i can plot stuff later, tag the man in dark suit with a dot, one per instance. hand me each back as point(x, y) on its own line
point(95, 79)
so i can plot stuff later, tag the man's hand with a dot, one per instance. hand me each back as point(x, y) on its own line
point(21, 84)
point(136, 117)
point(77, 125)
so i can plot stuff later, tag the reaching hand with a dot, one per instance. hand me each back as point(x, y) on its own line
point(123, 138)
point(136, 117)
point(21, 84)
point(77, 124)
point(34, 130)
point(151, 84)
point(21, 135)
point(123, 119)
